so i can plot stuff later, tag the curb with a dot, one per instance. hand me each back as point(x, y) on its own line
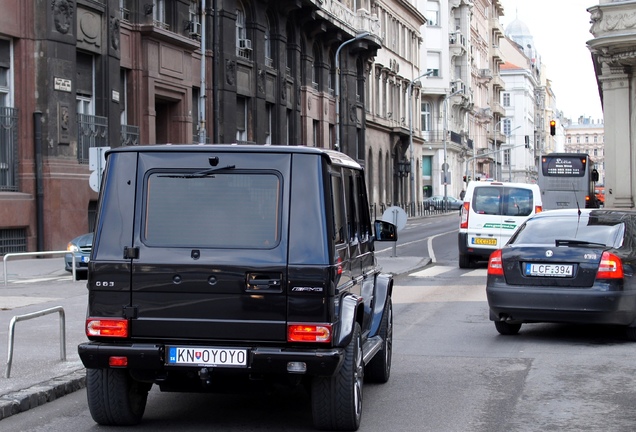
point(39, 394)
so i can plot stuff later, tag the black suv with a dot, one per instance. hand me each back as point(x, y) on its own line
point(217, 264)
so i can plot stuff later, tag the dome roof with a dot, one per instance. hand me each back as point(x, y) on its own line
point(517, 28)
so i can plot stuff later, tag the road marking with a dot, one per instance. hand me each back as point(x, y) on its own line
point(432, 271)
point(478, 272)
point(49, 279)
point(10, 302)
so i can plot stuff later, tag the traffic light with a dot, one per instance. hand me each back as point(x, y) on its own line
point(552, 127)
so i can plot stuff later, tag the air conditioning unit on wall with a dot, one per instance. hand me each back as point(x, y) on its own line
point(245, 44)
point(195, 28)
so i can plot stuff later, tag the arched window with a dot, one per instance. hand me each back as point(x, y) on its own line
point(269, 56)
point(243, 43)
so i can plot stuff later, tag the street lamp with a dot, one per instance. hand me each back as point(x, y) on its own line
point(358, 36)
point(410, 92)
point(445, 165)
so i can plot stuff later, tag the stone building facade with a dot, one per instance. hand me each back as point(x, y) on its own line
point(135, 72)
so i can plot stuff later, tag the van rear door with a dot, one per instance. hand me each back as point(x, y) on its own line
point(497, 212)
point(209, 252)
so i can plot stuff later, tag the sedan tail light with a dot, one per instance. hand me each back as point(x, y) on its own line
point(495, 265)
point(610, 267)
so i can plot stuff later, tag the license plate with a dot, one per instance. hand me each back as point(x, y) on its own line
point(201, 356)
point(485, 241)
point(558, 270)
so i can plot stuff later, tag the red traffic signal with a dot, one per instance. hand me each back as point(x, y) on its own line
point(552, 127)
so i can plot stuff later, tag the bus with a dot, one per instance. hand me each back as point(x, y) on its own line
point(567, 180)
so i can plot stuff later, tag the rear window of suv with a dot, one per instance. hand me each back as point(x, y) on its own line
point(220, 210)
point(507, 201)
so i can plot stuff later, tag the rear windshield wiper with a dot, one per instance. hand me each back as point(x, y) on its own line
point(578, 243)
point(199, 174)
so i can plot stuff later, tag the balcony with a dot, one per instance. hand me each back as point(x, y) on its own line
point(129, 135)
point(457, 44)
point(92, 131)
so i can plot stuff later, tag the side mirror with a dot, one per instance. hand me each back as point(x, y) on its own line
point(594, 175)
point(385, 231)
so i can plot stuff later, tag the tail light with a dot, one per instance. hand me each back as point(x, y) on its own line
point(309, 333)
point(611, 267)
point(538, 209)
point(495, 265)
point(107, 327)
point(464, 222)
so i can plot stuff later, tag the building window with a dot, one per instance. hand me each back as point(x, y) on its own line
point(432, 13)
point(506, 99)
point(288, 126)
point(331, 82)
point(6, 76)
point(243, 44)
point(433, 63)
point(241, 120)
point(506, 155)
point(269, 109)
point(316, 133)
point(159, 15)
point(315, 77)
point(8, 123)
point(84, 83)
point(269, 56)
point(506, 126)
point(426, 116)
point(195, 115)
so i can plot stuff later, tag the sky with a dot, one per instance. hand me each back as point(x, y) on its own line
point(560, 29)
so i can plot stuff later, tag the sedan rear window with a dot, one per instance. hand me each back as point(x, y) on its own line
point(222, 210)
point(546, 230)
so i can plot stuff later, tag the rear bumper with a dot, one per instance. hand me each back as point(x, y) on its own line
point(565, 305)
point(151, 357)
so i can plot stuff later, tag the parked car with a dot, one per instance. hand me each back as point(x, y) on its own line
point(436, 202)
point(491, 213)
point(80, 247)
point(225, 264)
point(566, 266)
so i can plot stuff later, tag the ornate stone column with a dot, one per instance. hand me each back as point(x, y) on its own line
point(614, 53)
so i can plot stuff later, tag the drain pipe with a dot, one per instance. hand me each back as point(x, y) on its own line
point(202, 91)
point(39, 187)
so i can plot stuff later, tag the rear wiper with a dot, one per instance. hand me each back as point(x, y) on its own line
point(199, 174)
point(578, 243)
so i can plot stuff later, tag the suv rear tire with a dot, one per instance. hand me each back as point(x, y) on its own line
point(336, 401)
point(379, 368)
point(114, 398)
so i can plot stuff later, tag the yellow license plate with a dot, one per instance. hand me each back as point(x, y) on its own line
point(485, 241)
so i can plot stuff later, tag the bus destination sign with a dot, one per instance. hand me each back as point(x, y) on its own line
point(560, 166)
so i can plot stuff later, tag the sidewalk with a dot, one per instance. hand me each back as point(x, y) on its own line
point(37, 374)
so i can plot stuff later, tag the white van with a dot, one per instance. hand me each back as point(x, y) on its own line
point(491, 213)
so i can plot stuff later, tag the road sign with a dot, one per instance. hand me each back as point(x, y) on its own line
point(396, 215)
